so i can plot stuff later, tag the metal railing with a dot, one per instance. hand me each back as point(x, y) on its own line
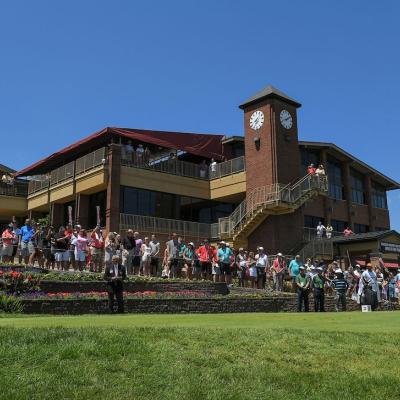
point(292, 195)
point(226, 168)
point(175, 166)
point(311, 234)
point(90, 161)
point(317, 248)
point(38, 183)
point(15, 188)
point(164, 225)
point(62, 173)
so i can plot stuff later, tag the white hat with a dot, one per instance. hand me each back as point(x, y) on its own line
point(222, 242)
point(241, 249)
point(280, 255)
point(260, 248)
point(338, 271)
point(191, 243)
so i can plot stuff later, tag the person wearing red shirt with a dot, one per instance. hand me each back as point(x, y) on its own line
point(347, 232)
point(206, 254)
point(279, 270)
point(96, 248)
point(8, 237)
point(311, 169)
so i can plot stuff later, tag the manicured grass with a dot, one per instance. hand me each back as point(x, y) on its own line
point(230, 356)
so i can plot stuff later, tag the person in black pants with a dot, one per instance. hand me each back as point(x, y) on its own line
point(303, 289)
point(318, 284)
point(115, 274)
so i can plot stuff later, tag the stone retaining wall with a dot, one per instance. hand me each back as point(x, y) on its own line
point(211, 288)
point(159, 306)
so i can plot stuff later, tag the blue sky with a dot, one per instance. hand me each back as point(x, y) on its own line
point(70, 68)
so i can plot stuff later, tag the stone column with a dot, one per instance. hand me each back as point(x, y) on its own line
point(113, 187)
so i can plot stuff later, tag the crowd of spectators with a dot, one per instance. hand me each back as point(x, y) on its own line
point(73, 248)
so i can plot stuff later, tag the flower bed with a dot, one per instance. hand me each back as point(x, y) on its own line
point(17, 282)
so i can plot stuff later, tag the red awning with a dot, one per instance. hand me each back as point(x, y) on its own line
point(387, 264)
point(200, 144)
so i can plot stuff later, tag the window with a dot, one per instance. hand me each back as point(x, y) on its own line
point(357, 187)
point(339, 226)
point(378, 196)
point(336, 190)
point(311, 221)
point(360, 228)
point(309, 157)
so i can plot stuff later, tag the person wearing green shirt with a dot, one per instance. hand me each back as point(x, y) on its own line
point(294, 270)
point(318, 284)
point(303, 288)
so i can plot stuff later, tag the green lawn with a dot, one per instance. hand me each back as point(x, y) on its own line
point(229, 356)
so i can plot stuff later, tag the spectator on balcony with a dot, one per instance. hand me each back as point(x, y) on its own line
point(279, 271)
point(320, 230)
point(311, 169)
point(205, 254)
point(96, 249)
point(348, 232)
point(26, 243)
point(146, 156)
point(155, 251)
point(203, 169)
point(129, 151)
point(137, 253)
point(80, 243)
point(140, 155)
point(329, 231)
point(8, 237)
point(262, 265)
point(62, 249)
point(320, 171)
point(146, 257)
point(213, 168)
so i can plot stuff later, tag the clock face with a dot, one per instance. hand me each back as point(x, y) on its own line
point(286, 119)
point(256, 120)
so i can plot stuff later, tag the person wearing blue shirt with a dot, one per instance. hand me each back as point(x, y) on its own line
point(224, 255)
point(26, 244)
point(294, 270)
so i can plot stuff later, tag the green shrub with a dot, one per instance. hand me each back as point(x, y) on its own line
point(10, 304)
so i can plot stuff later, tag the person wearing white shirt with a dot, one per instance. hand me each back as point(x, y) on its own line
point(262, 265)
point(320, 230)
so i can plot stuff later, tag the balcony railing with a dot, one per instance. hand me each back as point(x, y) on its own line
point(62, 173)
point(175, 166)
point(90, 161)
point(38, 183)
point(16, 188)
point(164, 225)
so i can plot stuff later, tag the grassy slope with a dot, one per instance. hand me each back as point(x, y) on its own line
point(235, 356)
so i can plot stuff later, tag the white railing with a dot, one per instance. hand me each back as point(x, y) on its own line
point(164, 225)
point(233, 166)
point(90, 161)
point(293, 195)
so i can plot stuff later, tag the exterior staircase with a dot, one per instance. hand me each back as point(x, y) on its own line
point(321, 249)
point(268, 200)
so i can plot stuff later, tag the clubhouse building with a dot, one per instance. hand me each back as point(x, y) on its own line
point(257, 192)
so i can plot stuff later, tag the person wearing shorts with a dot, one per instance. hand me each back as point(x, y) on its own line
point(26, 245)
point(62, 249)
point(96, 249)
point(216, 269)
point(224, 258)
point(8, 237)
point(205, 255)
point(80, 244)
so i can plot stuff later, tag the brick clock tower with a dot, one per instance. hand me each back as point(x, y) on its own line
point(271, 140)
point(273, 156)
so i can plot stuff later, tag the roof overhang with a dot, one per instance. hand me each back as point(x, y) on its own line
point(344, 156)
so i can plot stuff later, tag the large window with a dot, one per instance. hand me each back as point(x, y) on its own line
point(172, 206)
point(336, 189)
point(309, 157)
point(338, 226)
point(357, 187)
point(378, 196)
point(311, 221)
point(360, 228)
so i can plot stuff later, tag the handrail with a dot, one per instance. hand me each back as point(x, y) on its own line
point(264, 195)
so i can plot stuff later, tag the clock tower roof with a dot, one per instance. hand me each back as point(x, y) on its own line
point(269, 92)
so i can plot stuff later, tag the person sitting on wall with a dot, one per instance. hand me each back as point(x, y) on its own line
point(115, 274)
